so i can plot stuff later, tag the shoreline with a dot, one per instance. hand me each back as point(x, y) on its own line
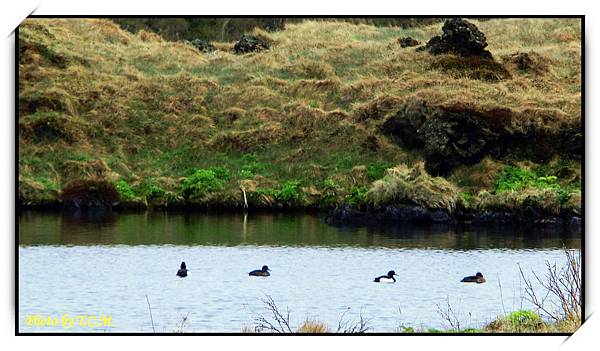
point(346, 215)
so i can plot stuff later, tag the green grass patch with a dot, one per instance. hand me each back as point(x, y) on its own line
point(515, 178)
point(376, 170)
point(124, 190)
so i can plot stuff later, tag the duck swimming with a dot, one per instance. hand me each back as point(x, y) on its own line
point(182, 272)
point(389, 278)
point(263, 272)
point(477, 278)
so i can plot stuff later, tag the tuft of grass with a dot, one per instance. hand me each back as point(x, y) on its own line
point(414, 186)
point(313, 327)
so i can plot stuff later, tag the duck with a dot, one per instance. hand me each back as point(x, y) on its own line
point(182, 272)
point(477, 278)
point(389, 278)
point(263, 272)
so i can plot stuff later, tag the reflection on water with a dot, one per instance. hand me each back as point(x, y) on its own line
point(102, 228)
point(106, 264)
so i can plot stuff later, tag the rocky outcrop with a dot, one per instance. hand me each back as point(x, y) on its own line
point(250, 43)
point(456, 134)
point(460, 37)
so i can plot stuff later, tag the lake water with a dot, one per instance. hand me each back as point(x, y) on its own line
point(92, 265)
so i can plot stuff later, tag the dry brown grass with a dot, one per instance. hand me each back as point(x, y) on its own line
point(313, 327)
point(402, 184)
point(162, 109)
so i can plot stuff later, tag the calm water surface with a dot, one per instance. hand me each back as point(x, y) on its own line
point(106, 264)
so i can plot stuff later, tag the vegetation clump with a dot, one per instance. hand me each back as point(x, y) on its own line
point(402, 184)
point(203, 181)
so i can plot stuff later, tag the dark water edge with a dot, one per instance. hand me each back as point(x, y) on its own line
point(274, 229)
point(347, 215)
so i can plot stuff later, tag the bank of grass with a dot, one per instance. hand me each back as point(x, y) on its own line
point(295, 126)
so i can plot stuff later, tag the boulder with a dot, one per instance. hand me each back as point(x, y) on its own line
point(460, 37)
point(407, 42)
point(250, 43)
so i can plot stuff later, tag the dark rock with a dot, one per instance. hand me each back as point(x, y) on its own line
point(405, 123)
point(90, 193)
point(493, 217)
point(202, 45)
point(400, 213)
point(452, 139)
point(460, 37)
point(250, 43)
point(549, 222)
point(407, 42)
point(405, 213)
point(575, 223)
point(440, 216)
point(345, 214)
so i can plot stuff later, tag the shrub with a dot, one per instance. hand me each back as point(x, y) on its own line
point(204, 181)
point(290, 192)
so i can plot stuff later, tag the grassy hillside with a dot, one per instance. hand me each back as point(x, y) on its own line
point(299, 125)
